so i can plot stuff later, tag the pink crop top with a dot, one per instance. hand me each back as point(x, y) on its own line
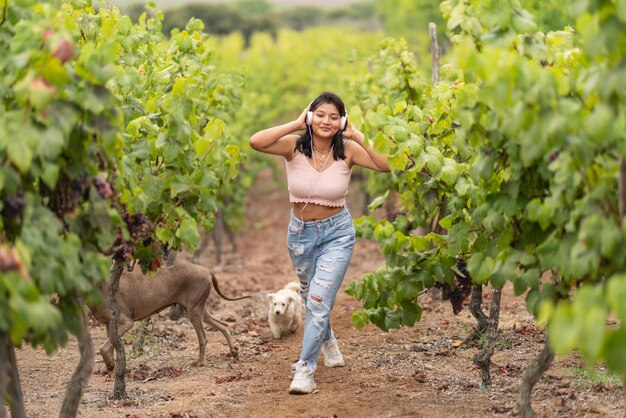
point(331, 185)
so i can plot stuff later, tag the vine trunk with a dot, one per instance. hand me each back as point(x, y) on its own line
point(475, 307)
point(119, 387)
point(10, 379)
point(483, 358)
point(78, 382)
point(531, 376)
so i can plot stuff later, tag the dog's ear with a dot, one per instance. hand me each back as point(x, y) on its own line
point(270, 297)
point(291, 299)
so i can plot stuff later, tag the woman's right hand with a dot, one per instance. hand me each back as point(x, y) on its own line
point(279, 140)
point(301, 121)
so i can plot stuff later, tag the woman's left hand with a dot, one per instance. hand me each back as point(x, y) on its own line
point(364, 155)
point(353, 134)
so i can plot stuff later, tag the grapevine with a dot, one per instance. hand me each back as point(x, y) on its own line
point(503, 149)
point(125, 148)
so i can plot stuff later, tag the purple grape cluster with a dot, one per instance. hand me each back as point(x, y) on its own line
point(138, 225)
point(457, 292)
point(102, 187)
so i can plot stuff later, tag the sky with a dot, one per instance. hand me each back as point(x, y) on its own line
point(164, 4)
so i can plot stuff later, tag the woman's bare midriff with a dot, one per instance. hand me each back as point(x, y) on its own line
point(313, 211)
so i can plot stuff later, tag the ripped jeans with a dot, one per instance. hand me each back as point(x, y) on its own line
point(320, 251)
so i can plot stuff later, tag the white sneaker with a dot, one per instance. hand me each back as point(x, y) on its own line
point(332, 355)
point(302, 382)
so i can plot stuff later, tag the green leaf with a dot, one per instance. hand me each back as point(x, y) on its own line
point(523, 21)
point(359, 319)
point(188, 232)
point(50, 175)
point(51, 144)
point(504, 271)
point(377, 316)
point(616, 295)
point(202, 146)
point(533, 298)
point(536, 211)
point(609, 239)
point(526, 279)
point(44, 317)
point(399, 107)
point(480, 268)
point(420, 243)
point(378, 202)
point(449, 172)
point(458, 238)
point(590, 315)
point(411, 312)
point(164, 234)
point(446, 222)
point(21, 154)
point(393, 320)
point(563, 329)
point(462, 186)
point(434, 159)
point(594, 329)
point(382, 144)
point(614, 351)
point(180, 185)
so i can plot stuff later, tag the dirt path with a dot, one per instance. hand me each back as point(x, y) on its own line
point(404, 373)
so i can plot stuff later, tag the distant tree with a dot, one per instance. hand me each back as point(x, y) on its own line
point(218, 19)
point(410, 18)
point(300, 17)
point(252, 6)
point(251, 16)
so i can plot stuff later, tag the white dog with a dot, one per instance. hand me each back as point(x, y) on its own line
point(285, 310)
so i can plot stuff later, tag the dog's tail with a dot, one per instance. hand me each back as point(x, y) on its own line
point(219, 292)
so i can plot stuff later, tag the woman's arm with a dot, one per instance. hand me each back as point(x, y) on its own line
point(364, 155)
point(278, 140)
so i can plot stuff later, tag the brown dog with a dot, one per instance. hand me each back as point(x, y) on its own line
point(141, 296)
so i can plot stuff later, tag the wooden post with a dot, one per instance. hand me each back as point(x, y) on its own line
point(434, 47)
point(436, 294)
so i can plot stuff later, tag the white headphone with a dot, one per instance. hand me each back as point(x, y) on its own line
point(342, 124)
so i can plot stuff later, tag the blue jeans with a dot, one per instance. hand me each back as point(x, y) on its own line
point(320, 251)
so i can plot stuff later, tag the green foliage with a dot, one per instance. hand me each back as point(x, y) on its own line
point(551, 15)
point(179, 152)
point(123, 148)
point(410, 19)
point(57, 129)
point(516, 151)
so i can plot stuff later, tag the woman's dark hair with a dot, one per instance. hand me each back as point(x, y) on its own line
point(303, 144)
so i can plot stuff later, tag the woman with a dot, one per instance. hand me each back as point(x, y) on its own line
point(321, 233)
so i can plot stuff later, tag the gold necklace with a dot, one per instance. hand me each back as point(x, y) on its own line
point(323, 159)
point(322, 153)
point(322, 156)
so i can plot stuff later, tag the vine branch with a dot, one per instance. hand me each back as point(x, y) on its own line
point(179, 202)
point(4, 12)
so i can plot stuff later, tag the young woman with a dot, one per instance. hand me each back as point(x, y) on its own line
point(320, 235)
